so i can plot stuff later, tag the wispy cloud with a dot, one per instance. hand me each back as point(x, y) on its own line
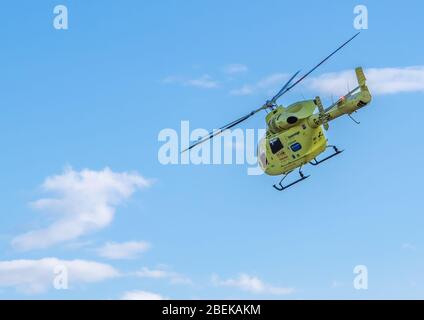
point(204, 82)
point(235, 68)
point(264, 85)
point(141, 295)
point(124, 250)
point(380, 81)
point(251, 284)
point(408, 246)
point(163, 273)
point(36, 276)
point(82, 202)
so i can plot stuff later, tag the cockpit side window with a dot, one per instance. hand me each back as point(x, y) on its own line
point(275, 145)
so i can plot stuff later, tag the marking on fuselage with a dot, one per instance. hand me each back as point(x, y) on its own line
point(293, 135)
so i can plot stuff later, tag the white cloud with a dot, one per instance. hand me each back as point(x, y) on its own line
point(235, 68)
point(161, 273)
point(172, 79)
point(408, 246)
point(204, 82)
point(125, 250)
point(266, 85)
point(82, 202)
point(380, 81)
point(251, 284)
point(152, 273)
point(141, 295)
point(36, 276)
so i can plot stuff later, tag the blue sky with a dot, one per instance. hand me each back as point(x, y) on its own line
point(95, 96)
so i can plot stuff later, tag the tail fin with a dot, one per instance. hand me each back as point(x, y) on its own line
point(360, 76)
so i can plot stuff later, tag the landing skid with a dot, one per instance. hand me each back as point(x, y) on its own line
point(281, 187)
point(315, 162)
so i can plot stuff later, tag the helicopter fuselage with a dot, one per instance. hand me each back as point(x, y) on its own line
point(295, 134)
point(282, 151)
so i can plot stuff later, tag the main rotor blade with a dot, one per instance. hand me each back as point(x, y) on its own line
point(280, 93)
point(322, 61)
point(216, 132)
point(269, 103)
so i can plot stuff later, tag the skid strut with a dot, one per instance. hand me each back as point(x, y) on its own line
point(281, 187)
point(316, 162)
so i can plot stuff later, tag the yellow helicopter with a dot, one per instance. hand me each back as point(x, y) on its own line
point(295, 135)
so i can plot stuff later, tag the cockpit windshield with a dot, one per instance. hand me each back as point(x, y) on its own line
point(263, 162)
